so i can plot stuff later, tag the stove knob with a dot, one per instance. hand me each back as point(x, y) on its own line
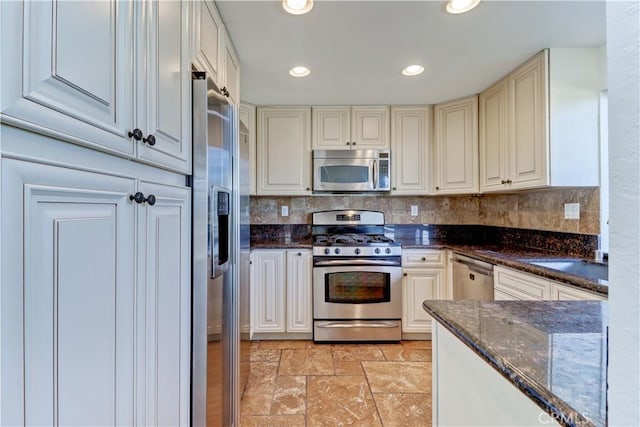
point(357, 251)
point(388, 250)
point(327, 251)
point(377, 250)
point(337, 251)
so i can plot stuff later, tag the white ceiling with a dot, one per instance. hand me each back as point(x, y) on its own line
point(356, 49)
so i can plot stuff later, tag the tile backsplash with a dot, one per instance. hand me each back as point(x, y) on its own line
point(536, 210)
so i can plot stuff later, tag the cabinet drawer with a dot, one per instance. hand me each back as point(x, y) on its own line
point(520, 285)
point(423, 258)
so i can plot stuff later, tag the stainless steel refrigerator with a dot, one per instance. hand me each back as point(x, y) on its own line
point(220, 252)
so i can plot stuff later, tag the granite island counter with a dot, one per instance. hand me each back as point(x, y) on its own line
point(519, 362)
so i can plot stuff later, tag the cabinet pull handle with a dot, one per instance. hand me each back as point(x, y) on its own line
point(139, 198)
point(136, 134)
point(225, 91)
point(151, 140)
point(394, 189)
point(503, 182)
point(509, 181)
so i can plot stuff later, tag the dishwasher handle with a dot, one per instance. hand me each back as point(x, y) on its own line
point(480, 269)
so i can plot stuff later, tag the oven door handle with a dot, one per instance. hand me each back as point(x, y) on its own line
point(341, 262)
point(332, 325)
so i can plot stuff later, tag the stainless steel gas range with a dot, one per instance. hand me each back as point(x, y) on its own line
point(357, 278)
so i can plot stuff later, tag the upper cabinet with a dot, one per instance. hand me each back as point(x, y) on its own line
point(410, 149)
point(456, 147)
point(539, 125)
point(283, 151)
point(247, 115)
point(343, 128)
point(85, 90)
point(212, 50)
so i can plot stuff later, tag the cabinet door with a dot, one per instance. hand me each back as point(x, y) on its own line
point(68, 292)
point(247, 115)
point(208, 33)
point(299, 304)
point(268, 291)
point(566, 292)
point(456, 146)
point(410, 149)
point(494, 174)
point(331, 128)
point(231, 71)
point(164, 309)
point(164, 85)
point(528, 132)
point(520, 286)
point(419, 285)
point(370, 128)
point(71, 73)
point(284, 151)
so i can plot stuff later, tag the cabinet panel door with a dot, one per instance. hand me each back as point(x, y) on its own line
point(410, 149)
point(566, 292)
point(78, 88)
point(68, 293)
point(331, 128)
point(370, 127)
point(456, 146)
point(231, 71)
point(528, 133)
point(165, 300)
point(268, 291)
point(284, 150)
point(493, 137)
point(208, 39)
point(299, 304)
point(164, 86)
point(520, 285)
point(419, 285)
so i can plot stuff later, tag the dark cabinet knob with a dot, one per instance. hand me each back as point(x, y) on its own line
point(151, 140)
point(509, 181)
point(136, 134)
point(225, 91)
point(299, 253)
point(348, 143)
point(308, 189)
point(405, 274)
point(437, 188)
point(353, 143)
point(503, 182)
point(138, 197)
point(424, 258)
point(394, 188)
point(151, 199)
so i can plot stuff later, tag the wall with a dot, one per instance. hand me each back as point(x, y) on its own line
point(538, 210)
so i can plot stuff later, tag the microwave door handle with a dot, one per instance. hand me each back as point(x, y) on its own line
point(375, 175)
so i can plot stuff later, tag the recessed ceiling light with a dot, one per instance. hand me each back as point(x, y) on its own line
point(461, 6)
point(297, 7)
point(299, 71)
point(412, 70)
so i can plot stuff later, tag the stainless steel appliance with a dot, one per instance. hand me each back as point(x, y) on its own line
point(472, 279)
point(357, 278)
point(351, 170)
point(217, 245)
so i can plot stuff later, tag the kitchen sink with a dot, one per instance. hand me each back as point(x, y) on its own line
point(576, 267)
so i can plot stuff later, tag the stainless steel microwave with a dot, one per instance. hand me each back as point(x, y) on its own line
point(351, 170)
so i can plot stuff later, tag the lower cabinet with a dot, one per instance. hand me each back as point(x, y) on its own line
point(281, 294)
point(95, 297)
point(511, 284)
point(424, 277)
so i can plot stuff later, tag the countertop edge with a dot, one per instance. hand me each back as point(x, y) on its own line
point(565, 415)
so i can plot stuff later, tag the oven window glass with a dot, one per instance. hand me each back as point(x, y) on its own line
point(357, 287)
point(344, 174)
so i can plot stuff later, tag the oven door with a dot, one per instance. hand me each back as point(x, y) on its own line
point(357, 292)
point(344, 175)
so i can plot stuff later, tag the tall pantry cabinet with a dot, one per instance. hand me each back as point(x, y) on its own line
point(95, 216)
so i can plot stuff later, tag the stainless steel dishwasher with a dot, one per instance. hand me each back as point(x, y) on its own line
point(472, 279)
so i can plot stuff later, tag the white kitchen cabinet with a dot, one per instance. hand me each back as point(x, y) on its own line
point(561, 292)
point(340, 128)
point(456, 147)
point(208, 33)
point(493, 137)
point(424, 277)
point(510, 284)
point(85, 89)
point(281, 292)
point(283, 151)
point(299, 296)
point(551, 105)
point(247, 116)
point(96, 289)
point(410, 149)
point(231, 71)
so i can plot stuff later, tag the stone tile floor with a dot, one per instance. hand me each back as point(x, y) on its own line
point(299, 383)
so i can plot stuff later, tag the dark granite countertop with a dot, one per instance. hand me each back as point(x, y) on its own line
point(281, 243)
point(553, 351)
